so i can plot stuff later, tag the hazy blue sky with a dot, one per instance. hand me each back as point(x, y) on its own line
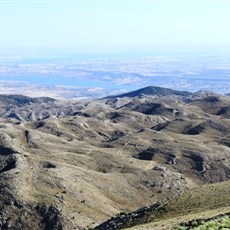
point(115, 25)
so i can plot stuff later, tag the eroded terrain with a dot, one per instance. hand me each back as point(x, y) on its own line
point(74, 164)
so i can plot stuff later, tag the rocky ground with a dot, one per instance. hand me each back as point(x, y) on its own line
point(74, 164)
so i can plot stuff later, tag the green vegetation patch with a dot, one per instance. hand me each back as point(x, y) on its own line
point(222, 223)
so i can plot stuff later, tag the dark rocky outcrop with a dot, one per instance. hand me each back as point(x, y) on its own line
point(131, 219)
point(224, 111)
point(148, 154)
point(8, 164)
point(209, 124)
point(160, 126)
point(150, 108)
point(50, 217)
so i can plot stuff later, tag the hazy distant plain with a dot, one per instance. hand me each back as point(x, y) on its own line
point(98, 77)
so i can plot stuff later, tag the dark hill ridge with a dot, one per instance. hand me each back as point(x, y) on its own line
point(153, 91)
point(224, 111)
point(149, 108)
point(20, 100)
point(207, 125)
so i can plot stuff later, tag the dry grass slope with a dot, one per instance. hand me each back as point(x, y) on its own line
point(202, 202)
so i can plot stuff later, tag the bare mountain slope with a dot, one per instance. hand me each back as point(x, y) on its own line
point(77, 164)
point(186, 209)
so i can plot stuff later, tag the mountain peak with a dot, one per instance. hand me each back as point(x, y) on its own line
point(153, 91)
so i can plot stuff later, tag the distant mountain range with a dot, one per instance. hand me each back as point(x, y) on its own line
point(20, 100)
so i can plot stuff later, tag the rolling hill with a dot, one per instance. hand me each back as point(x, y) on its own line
point(76, 164)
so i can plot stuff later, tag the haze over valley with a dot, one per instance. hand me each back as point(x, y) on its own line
point(94, 78)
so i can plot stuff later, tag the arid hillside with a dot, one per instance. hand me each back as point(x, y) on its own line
point(75, 164)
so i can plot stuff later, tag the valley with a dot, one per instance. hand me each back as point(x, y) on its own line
point(74, 164)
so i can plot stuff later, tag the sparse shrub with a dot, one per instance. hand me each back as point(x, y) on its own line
point(222, 223)
point(181, 228)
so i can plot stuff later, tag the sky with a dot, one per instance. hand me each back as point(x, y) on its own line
point(44, 43)
point(115, 25)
